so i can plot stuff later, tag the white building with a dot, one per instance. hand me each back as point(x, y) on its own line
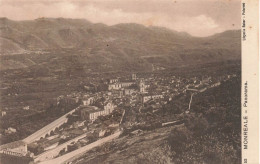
point(151, 97)
point(119, 85)
point(92, 113)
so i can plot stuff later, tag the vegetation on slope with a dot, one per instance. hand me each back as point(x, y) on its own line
point(212, 130)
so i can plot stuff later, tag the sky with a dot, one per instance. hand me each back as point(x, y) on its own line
point(196, 17)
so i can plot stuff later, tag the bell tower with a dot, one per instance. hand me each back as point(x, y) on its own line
point(133, 76)
point(142, 86)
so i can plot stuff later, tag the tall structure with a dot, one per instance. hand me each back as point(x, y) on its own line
point(142, 86)
point(133, 76)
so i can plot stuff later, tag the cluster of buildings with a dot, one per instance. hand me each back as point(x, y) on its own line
point(137, 92)
point(206, 83)
point(129, 93)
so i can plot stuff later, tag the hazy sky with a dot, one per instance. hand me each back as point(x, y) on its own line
point(197, 17)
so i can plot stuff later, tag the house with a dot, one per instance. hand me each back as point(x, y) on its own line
point(10, 130)
point(117, 93)
point(3, 113)
point(151, 97)
point(133, 76)
point(88, 100)
point(109, 107)
point(26, 108)
point(113, 81)
point(215, 84)
point(155, 97)
point(101, 133)
point(128, 91)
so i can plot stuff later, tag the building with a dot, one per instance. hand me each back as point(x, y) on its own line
point(17, 148)
point(108, 107)
point(10, 130)
point(115, 86)
point(146, 98)
point(3, 113)
point(215, 84)
point(117, 93)
point(133, 76)
point(142, 86)
point(127, 84)
point(113, 81)
point(84, 112)
point(128, 91)
point(92, 113)
point(119, 85)
point(26, 108)
point(88, 100)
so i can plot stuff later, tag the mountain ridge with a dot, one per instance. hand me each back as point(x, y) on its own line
point(126, 42)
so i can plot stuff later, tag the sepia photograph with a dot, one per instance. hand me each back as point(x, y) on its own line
point(122, 82)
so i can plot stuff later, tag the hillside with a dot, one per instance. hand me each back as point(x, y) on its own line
point(115, 46)
point(210, 134)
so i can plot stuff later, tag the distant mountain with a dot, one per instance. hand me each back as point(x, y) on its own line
point(125, 43)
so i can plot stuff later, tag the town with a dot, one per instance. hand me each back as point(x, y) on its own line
point(127, 102)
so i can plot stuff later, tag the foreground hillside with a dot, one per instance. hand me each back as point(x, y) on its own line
point(210, 134)
point(109, 47)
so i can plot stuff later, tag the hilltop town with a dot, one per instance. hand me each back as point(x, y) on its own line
point(125, 104)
